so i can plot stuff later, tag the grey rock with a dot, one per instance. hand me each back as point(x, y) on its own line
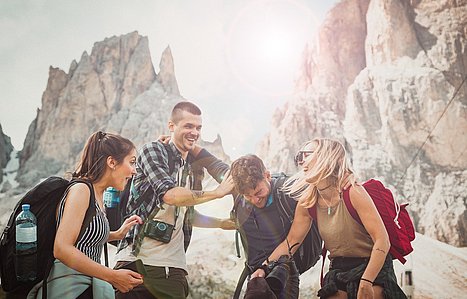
point(378, 78)
point(5, 150)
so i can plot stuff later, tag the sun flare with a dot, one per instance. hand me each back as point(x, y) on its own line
point(265, 44)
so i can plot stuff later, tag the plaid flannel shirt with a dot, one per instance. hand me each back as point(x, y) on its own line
point(153, 179)
point(153, 171)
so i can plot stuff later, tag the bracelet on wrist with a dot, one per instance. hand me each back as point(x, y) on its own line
point(265, 268)
point(367, 280)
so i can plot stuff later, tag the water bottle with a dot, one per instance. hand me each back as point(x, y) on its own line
point(111, 198)
point(111, 202)
point(26, 245)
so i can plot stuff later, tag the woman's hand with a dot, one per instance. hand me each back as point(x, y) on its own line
point(127, 225)
point(125, 280)
point(365, 290)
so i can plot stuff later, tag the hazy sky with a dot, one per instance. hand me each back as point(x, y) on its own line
point(236, 59)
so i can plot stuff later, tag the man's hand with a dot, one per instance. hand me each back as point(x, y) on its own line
point(347, 182)
point(226, 186)
point(228, 224)
point(164, 139)
point(258, 273)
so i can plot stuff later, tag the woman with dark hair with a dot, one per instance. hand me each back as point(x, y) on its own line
point(108, 160)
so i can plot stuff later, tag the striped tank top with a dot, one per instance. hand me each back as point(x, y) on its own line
point(96, 234)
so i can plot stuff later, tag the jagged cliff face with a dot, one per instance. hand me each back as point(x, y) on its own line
point(114, 88)
point(5, 150)
point(401, 66)
point(329, 66)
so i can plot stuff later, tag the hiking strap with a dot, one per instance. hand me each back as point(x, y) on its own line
point(139, 238)
point(288, 212)
point(321, 276)
point(106, 255)
point(312, 212)
point(170, 157)
point(233, 215)
point(349, 206)
point(141, 234)
point(89, 212)
point(240, 282)
point(237, 243)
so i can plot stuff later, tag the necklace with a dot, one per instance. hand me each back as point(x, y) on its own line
point(328, 205)
point(326, 202)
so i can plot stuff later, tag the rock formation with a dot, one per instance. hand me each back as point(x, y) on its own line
point(115, 88)
point(318, 107)
point(5, 150)
point(379, 79)
point(78, 103)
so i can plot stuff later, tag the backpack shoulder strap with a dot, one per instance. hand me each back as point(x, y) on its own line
point(91, 211)
point(283, 203)
point(350, 207)
point(239, 232)
point(170, 157)
point(312, 212)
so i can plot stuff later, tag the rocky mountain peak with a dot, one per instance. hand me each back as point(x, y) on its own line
point(114, 89)
point(379, 76)
point(166, 75)
point(84, 100)
point(5, 150)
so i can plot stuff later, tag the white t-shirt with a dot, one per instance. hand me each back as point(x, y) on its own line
point(157, 253)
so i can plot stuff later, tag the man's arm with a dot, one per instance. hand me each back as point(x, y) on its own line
point(204, 159)
point(200, 220)
point(179, 196)
point(154, 164)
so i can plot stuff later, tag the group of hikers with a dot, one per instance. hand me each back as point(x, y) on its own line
point(166, 177)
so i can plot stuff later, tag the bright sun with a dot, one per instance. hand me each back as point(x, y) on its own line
point(265, 44)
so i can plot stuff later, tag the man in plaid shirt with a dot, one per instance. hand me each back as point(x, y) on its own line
point(163, 196)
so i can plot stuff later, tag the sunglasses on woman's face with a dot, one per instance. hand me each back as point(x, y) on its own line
point(301, 156)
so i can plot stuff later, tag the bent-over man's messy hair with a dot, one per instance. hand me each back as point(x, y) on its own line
point(247, 171)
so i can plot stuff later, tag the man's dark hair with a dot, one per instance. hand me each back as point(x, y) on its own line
point(176, 115)
point(247, 171)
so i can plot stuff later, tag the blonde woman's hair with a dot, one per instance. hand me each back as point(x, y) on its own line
point(327, 163)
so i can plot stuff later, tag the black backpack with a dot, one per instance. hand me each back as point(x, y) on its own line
point(43, 199)
point(307, 254)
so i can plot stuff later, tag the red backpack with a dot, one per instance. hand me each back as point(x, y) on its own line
point(395, 217)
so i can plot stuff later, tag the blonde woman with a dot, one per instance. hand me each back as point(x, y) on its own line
point(360, 265)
